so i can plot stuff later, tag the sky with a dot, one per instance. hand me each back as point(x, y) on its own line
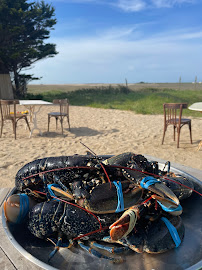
point(109, 41)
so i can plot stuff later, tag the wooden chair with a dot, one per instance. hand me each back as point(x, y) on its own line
point(9, 113)
point(173, 116)
point(64, 112)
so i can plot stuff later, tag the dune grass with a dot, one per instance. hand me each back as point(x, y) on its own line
point(143, 101)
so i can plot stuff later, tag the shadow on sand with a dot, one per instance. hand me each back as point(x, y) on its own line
point(79, 132)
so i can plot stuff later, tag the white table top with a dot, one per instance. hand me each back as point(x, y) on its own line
point(196, 106)
point(34, 102)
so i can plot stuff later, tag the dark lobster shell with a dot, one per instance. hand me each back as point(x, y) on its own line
point(46, 219)
point(29, 174)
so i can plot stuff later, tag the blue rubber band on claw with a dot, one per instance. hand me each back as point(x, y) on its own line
point(51, 191)
point(24, 208)
point(148, 181)
point(170, 208)
point(120, 205)
point(173, 231)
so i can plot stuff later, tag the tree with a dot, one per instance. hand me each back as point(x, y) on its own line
point(24, 26)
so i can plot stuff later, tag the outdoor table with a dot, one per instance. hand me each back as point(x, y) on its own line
point(197, 107)
point(31, 105)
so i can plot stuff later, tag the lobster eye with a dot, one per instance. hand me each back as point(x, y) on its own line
point(12, 208)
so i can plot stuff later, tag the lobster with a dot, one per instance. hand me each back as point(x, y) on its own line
point(84, 182)
point(69, 168)
point(66, 224)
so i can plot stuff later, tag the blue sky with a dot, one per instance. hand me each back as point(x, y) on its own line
point(108, 41)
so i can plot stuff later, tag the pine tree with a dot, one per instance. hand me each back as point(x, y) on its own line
point(24, 27)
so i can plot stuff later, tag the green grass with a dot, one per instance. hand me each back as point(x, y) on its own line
point(143, 101)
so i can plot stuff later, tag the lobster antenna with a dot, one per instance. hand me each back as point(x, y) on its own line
point(88, 149)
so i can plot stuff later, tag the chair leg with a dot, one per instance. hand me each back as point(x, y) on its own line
point(178, 137)
point(190, 132)
point(14, 129)
point(68, 121)
point(48, 122)
point(56, 119)
point(174, 127)
point(61, 121)
point(2, 124)
point(164, 131)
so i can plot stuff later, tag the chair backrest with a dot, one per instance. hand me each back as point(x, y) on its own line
point(173, 112)
point(64, 105)
point(8, 107)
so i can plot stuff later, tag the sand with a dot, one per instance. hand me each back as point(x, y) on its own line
point(103, 131)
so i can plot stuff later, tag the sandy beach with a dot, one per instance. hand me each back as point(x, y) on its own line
point(103, 131)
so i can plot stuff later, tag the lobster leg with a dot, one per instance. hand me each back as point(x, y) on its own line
point(110, 249)
point(58, 244)
point(57, 181)
point(46, 187)
point(98, 254)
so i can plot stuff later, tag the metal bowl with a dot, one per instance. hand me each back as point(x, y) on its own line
point(187, 256)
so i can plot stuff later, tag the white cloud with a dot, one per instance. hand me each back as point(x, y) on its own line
point(139, 5)
point(100, 59)
point(131, 5)
point(186, 35)
point(170, 3)
point(190, 35)
point(115, 33)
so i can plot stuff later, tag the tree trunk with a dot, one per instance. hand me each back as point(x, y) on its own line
point(3, 69)
point(17, 93)
point(6, 89)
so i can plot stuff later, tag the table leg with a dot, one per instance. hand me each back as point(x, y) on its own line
point(34, 114)
point(199, 145)
point(31, 112)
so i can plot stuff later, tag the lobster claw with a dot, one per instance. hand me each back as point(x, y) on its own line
point(168, 205)
point(17, 206)
point(124, 225)
point(159, 188)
